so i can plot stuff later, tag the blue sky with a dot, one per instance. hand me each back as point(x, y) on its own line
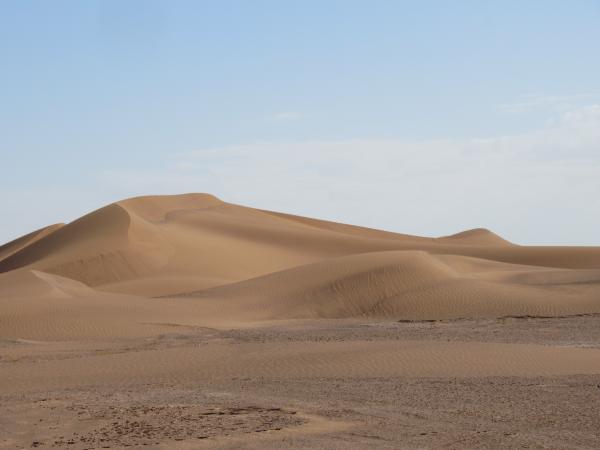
point(422, 117)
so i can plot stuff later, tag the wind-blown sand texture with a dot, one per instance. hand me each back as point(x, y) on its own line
point(188, 322)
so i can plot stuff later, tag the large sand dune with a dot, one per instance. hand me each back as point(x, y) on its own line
point(223, 263)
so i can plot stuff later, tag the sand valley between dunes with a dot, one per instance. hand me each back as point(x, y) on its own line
point(184, 322)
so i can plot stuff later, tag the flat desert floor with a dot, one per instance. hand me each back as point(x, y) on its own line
point(485, 383)
point(185, 322)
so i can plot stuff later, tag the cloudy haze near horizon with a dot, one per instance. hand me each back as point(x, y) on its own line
point(418, 117)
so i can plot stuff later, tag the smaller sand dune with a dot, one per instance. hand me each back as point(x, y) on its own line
point(412, 285)
point(14, 246)
point(41, 306)
point(77, 241)
point(35, 283)
point(476, 236)
point(348, 286)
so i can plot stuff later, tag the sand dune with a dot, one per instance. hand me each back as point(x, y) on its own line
point(476, 236)
point(14, 246)
point(41, 306)
point(36, 283)
point(225, 262)
point(403, 285)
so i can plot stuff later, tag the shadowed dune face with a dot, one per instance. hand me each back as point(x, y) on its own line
point(231, 263)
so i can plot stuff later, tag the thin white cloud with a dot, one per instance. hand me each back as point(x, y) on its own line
point(287, 115)
point(531, 102)
point(541, 186)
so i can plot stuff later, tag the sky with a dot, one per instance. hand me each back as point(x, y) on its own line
point(421, 117)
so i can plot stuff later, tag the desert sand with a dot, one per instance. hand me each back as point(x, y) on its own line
point(188, 322)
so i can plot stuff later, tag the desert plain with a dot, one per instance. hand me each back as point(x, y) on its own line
point(184, 322)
